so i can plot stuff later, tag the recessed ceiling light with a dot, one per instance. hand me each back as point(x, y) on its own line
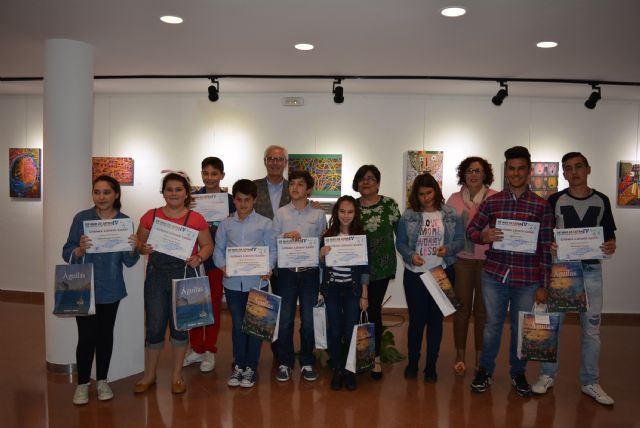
point(171, 19)
point(304, 46)
point(453, 11)
point(546, 45)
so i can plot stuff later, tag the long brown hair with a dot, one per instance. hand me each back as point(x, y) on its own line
point(425, 180)
point(355, 228)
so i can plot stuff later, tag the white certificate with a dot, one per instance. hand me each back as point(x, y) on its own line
point(212, 206)
point(108, 236)
point(348, 250)
point(582, 243)
point(297, 253)
point(518, 236)
point(172, 239)
point(247, 261)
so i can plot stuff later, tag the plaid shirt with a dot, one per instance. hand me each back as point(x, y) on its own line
point(518, 269)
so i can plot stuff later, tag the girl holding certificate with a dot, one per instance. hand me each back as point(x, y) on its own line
point(161, 270)
point(345, 290)
point(430, 234)
point(95, 332)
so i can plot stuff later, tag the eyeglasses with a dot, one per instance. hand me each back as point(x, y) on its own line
point(474, 171)
point(275, 159)
point(368, 179)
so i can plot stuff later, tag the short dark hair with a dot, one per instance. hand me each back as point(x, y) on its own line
point(355, 228)
point(305, 175)
point(245, 186)
point(115, 186)
point(182, 179)
point(362, 171)
point(486, 167)
point(213, 162)
point(425, 180)
point(572, 155)
point(518, 152)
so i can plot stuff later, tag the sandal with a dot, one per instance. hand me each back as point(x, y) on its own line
point(459, 368)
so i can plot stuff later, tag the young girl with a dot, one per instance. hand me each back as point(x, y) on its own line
point(344, 290)
point(430, 234)
point(95, 332)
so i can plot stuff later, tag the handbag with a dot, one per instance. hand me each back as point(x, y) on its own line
point(362, 348)
point(74, 290)
point(538, 335)
point(191, 302)
point(320, 325)
point(262, 315)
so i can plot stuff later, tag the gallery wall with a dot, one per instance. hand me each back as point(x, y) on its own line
point(175, 131)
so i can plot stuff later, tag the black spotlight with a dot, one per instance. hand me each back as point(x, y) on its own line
point(213, 91)
point(593, 98)
point(338, 92)
point(501, 95)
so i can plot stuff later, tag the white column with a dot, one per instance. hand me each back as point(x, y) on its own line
point(67, 147)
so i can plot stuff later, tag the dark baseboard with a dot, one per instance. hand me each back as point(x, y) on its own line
point(29, 297)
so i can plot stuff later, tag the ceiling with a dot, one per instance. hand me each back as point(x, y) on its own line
point(598, 40)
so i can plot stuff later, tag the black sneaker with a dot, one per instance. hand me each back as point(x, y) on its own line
point(337, 380)
point(430, 376)
point(411, 372)
point(520, 384)
point(350, 381)
point(481, 382)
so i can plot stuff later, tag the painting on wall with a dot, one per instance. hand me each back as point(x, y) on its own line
point(119, 168)
point(420, 161)
point(628, 184)
point(543, 179)
point(326, 170)
point(25, 166)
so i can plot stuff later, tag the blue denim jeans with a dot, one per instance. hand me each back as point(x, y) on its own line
point(246, 348)
point(343, 310)
point(590, 327)
point(291, 287)
point(498, 297)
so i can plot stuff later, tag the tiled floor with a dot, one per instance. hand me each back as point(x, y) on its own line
point(31, 397)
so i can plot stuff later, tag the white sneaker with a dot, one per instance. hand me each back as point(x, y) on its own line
point(248, 378)
point(208, 362)
point(236, 376)
point(596, 392)
point(104, 390)
point(192, 357)
point(542, 385)
point(81, 396)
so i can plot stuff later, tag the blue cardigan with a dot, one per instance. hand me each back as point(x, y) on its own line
point(107, 267)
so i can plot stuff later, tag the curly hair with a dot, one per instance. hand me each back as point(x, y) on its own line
point(486, 168)
point(425, 180)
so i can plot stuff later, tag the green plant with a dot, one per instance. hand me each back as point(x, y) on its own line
point(389, 354)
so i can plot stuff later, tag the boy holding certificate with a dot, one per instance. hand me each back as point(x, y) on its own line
point(580, 206)
point(298, 220)
point(245, 228)
point(514, 276)
point(204, 339)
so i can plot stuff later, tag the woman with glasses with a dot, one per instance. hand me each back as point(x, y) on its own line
point(475, 175)
point(379, 215)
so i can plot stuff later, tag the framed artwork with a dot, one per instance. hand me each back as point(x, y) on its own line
point(420, 161)
point(25, 167)
point(543, 179)
point(119, 168)
point(326, 170)
point(628, 192)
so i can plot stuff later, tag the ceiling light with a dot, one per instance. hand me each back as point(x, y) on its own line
point(168, 19)
point(304, 46)
point(338, 92)
point(593, 98)
point(213, 90)
point(502, 93)
point(453, 11)
point(546, 45)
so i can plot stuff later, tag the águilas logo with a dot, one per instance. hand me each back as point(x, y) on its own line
point(77, 275)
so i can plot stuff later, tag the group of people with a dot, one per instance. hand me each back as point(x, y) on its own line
point(456, 236)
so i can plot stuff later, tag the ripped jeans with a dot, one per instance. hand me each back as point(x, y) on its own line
point(590, 327)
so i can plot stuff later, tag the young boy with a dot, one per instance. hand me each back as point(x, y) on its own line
point(297, 220)
point(245, 228)
point(204, 339)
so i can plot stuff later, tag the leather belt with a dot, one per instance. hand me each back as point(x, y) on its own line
point(299, 269)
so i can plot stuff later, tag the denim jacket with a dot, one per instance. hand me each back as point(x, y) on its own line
point(107, 267)
point(409, 230)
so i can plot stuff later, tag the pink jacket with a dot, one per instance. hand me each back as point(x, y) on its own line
point(455, 200)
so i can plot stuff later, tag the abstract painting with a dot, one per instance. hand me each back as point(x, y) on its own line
point(25, 168)
point(419, 162)
point(628, 184)
point(326, 170)
point(119, 168)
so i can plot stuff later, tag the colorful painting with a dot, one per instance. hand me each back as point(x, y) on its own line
point(543, 179)
point(326, 170)
point(25, 166)
point(628, 184)
point(419, 162)
point(119, 168)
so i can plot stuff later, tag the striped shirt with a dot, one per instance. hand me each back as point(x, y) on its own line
point(518, 269)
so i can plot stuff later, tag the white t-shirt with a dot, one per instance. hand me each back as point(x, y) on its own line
point(430, 239)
